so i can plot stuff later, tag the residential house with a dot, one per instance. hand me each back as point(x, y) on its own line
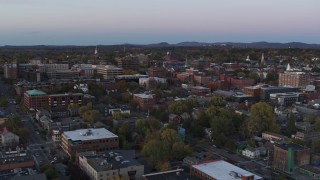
point(174, 119)
point(8, 138)
point(251, 152)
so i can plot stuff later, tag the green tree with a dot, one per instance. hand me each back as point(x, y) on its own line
point(91, 116)
point(291, 127)
point(24, 134)
point(241, 74)
point(316, 125)
point(49, 171)
point(178, 107)
point(3, 101)
point(255, 76)
point(215, 101)
point(164, 146)
point(124, 130)
point(169, 136)
point(315, 145)
point(261, 119)
point(83, 109)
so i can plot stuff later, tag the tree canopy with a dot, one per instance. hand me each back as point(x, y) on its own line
point(261, 119)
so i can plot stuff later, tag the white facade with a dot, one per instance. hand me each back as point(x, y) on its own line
point(251, 152)
point(56, 136)
point(109, 71)
point(9, 139)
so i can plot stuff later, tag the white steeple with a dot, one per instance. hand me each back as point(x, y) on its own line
point(248, 58)
point(288, 67)
point(186, 63)
point(262, 60)
point(96, 51)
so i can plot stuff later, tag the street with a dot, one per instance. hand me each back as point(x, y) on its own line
point(37, 146)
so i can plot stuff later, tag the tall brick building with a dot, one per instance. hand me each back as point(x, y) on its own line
point(294, 79)
point(289, 156)
point(35, 99)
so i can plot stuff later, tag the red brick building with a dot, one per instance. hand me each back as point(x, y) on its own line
point(294, 79)
point(234, 82)
point(61, 101)
point(156, 72)
point(288, 156)
point(35, 99)
point(144, 101)
point(83, 140)
point(252, 91)
point(38, 100)
point(10, 71)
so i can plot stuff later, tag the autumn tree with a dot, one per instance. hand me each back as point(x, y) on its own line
point(164, 146)
point(179, 107)
point(215, 101)
point(91, 116)
point(261, 119)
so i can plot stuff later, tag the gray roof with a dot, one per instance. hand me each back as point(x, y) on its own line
point(111, 159)
point(41, 176)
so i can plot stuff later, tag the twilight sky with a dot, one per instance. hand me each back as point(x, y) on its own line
point(91, 22)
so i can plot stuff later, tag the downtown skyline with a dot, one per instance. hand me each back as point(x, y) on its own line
point(35, 22)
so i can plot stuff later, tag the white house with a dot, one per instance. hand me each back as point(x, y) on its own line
point(251, 152)
point(8, 138)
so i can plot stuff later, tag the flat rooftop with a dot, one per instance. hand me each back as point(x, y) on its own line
point(144, 96)
point(295, 147)
point(277, 87)
point(35, 92)
point(67, 94)
point(89, 134)
point(221, 170)
point(108, 160)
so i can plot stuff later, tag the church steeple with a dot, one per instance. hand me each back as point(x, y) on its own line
point(248, 58)
point(186, 63)
point(288, 67)
point(263, 62)
point(96, 51)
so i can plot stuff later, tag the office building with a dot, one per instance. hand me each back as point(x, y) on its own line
point(294, 79)
point(128, 62)
point(35, 99)
point(110, 165)
point(286, 99)
point(63, 74)
point(109, 71)
point(61, 101)
point(10, 71)
point(221, 170)
point(287, 157)
point(83, 140)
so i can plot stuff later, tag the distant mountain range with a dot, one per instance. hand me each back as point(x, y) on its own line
point(244, 45)
point(194, 44)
